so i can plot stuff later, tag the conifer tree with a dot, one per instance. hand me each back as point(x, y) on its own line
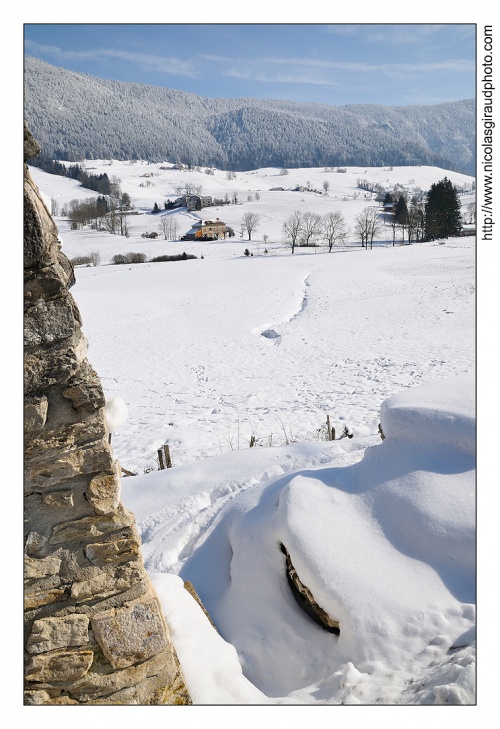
point(401, 214)
point(443, 217)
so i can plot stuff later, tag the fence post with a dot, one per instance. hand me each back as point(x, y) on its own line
point(168, 460)
point(330, 430)
point(160, 459)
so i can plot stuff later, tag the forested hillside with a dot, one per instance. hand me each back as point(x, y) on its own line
point(76, 116)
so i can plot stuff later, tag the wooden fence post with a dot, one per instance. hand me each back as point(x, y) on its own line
point(168, 460)
point(160, 459)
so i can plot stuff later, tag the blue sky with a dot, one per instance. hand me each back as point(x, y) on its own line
point(323, 63)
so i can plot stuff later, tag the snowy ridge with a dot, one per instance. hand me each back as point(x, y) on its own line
point(156, 123)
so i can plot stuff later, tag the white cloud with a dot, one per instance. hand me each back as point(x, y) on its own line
point(405, 33)
point(322, 71)
point(145, 61)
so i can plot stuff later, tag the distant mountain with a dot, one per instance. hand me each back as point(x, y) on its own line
point(75, 116)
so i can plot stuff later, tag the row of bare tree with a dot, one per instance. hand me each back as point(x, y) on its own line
point(306, 229)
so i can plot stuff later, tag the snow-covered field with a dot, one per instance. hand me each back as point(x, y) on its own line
point(207, 353)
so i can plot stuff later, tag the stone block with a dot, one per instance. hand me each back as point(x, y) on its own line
point(55, 364)
point(62, 437)
point(104, 492)
point(38, 598)
point(98, 586)
point(67, 666)
point(104, 685)
point(37, 568)
point(48, 634)
point(131, 634)
point(76, 461)
point(47, 322)
point(84, 390)
point(120, 550)
point(46, 283)
point(83, 530)
point(159, 689)
point(115, 580)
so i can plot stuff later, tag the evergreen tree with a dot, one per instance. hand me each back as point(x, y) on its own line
point(443, 217)
point(401, 215)
point(401, 212)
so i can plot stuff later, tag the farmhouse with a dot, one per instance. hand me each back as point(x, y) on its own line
point(190, 202)
point(207, 230)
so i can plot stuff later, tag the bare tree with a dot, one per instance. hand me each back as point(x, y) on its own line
point(311, 228)
point(412, 222)
point(169, 227)
point(367, 226)
point(326, 186)
point(249, 223)
point(292, 229)
point(471, 209)
point(123, 224)
point(334, 228)
point(115, 187)
point(111, 219)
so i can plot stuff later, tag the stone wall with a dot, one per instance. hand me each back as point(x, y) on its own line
point(95, 633)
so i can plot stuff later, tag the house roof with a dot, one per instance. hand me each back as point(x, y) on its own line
point(194, 228)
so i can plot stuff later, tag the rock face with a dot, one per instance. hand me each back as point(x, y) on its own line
point(95, 633)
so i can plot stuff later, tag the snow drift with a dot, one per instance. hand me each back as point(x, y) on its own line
point(385, 544)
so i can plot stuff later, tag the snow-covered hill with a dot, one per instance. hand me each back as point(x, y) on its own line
point(75, 115)
point(148, 184)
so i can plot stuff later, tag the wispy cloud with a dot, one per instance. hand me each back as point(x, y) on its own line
point(406, 33)
point(321, 71)
point(281, 70)
point(145, 61)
